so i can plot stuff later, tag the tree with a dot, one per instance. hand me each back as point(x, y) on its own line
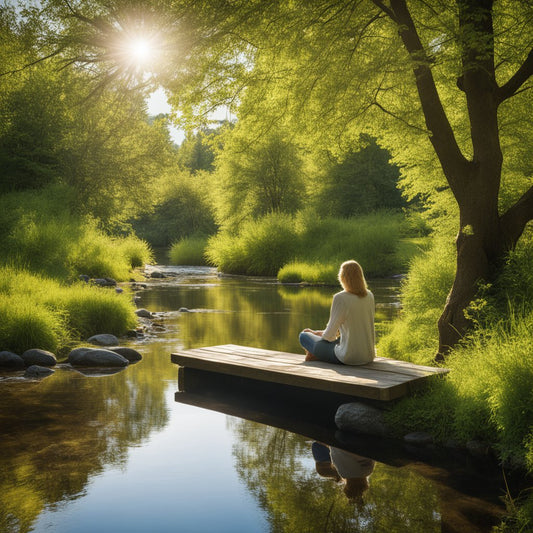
point(53, 131)
point(454, 73)
point(256, 176)
point(195, 153)
point(360, 182)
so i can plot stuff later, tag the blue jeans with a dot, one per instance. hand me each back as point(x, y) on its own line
point(322, 349)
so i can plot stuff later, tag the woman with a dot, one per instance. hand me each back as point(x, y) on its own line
point(352, 314)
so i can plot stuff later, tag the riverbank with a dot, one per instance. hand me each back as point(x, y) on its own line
point(303, 248)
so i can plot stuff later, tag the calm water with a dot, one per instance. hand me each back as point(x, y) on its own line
point(124, 452)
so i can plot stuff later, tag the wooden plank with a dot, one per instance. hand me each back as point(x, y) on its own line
point(378, 380)
point(380, 363)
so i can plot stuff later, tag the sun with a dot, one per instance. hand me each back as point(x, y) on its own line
point(140, 50)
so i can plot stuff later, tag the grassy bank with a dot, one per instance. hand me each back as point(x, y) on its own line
point(40, 233)
point(44, 248)
point(306, 248)
point(39, 312)
point(488, 395)
point(189, 251)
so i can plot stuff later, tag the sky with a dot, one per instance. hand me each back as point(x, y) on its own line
point(157, 103)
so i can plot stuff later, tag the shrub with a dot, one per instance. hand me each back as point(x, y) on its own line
point(136, 252)
point(39, 312)
point(260, 248)
point(297, 271)
point(44, 237)
point(25, 325)
point(413, 336)
point(189, 251)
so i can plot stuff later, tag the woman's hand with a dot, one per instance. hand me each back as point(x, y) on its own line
point(314, 331)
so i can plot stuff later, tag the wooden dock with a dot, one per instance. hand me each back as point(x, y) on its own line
point(383, 379)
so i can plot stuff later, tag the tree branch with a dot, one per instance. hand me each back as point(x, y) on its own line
point(27, 65)
point(440, 131)
point(389, 12)
point(514, 220)
point(517, 80)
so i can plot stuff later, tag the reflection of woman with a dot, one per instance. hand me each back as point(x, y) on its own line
point(339, 464)
point(352, 314)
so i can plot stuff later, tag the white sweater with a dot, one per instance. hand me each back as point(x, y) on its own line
point(353, 316)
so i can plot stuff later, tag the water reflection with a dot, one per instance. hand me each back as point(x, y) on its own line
point(280, 471)
point(251, 312)
point(118, 453)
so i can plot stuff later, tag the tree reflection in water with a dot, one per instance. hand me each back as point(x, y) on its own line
point(279, 469)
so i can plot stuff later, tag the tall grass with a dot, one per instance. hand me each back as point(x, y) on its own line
point(43, 236)
point(414, 337)
point(189, 251)
point(487, 395)
point(38, 312)
point(260, 248)
point(305, 248)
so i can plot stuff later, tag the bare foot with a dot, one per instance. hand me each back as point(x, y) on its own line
point(309, 356)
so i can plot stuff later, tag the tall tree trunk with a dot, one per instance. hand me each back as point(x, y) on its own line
point(480, 246)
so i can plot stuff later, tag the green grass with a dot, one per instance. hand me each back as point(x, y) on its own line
point(189, 251)
point(414, 336)
point(314, 273)
point(260, 248)
point(306, 248)
point(487, 395)
point(39, 233)
point(39, 312)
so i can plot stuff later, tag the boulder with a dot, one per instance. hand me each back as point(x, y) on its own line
point(183, 310)
point(144, 313)
point(105, 282)
point(479, 448)
point(36, 356)
point(11, 360)
point(104, 339)
point(157, 274)
point(36, 371)
point(129, 353)
point(96, 357)
point(98, 372)
point(361, 418)
point(418, 438)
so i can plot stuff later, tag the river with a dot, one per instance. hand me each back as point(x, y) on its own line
point(131, 452)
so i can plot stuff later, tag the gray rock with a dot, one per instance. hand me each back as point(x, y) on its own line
point(361, 418)
point(478, 448)
point(144, 313)
point(96, 357)
point(157, 274)
point(98, 372)
point(129, 353)
point(453, 444)
point(105, 282)
point(36, 371)
point(419, 438)
point(183, 310)
point(11, 360)
point(36, 356)
point(104, 339)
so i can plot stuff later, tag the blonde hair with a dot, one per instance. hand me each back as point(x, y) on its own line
point(352, 279)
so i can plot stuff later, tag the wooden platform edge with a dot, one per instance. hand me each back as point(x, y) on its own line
point(282, 372)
